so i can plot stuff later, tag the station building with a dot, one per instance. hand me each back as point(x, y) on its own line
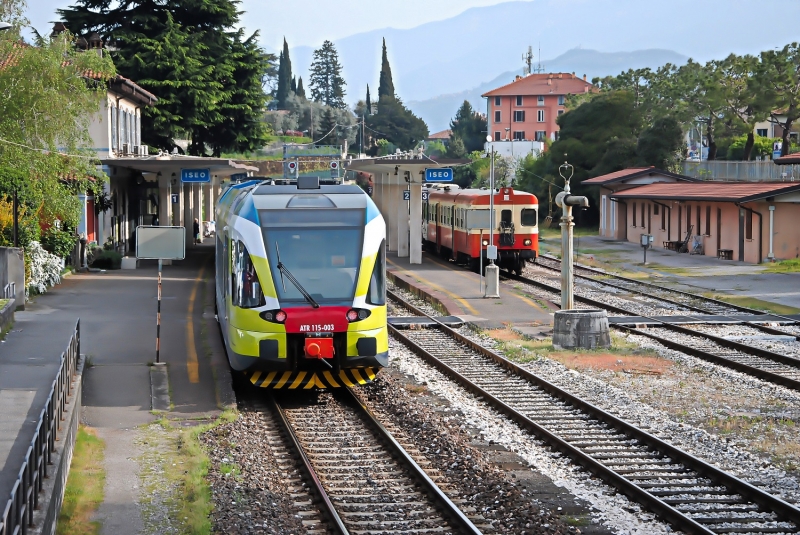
point(743, 221)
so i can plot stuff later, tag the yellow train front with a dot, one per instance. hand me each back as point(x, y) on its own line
point(301, 284)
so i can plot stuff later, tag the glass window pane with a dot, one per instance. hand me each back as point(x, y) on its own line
point(529, 217)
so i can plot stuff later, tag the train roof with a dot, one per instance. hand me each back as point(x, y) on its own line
point(474, 192)
point(290, 189)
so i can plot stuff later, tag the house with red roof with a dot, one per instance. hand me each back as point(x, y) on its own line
point(526, 109)
point(743, 221)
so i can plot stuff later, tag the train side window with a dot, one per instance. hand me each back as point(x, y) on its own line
point(376, 294)
point(529, 217)
point(246, 288)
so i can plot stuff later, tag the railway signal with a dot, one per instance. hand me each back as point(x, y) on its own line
point(565, 201)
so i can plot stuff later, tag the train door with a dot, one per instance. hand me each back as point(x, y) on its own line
point(506, 228)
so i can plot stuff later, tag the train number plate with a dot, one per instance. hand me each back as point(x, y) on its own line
point(313, 328)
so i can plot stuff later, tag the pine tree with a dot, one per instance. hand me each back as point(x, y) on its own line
point(284, 88)
point(386, 86)
point(327, 84)
point(469, 126)
point(368, 110)
point(328, 126)
point(301, 92)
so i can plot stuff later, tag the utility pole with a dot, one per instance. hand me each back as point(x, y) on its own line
point(492, 270)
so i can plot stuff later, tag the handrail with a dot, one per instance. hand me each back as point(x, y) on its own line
point(17, 515)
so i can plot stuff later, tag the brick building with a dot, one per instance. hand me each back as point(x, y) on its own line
point(527, 108)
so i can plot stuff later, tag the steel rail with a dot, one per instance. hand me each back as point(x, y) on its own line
point(451, 509)
point(628, 488)
point(325, 502)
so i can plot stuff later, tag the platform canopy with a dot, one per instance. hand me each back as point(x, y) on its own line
point(220, 168)
point(391, 177)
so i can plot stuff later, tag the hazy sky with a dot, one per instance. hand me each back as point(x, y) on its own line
point(309, 22)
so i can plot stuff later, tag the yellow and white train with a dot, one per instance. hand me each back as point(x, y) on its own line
point(301, 284)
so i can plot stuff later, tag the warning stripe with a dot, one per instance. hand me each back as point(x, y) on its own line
point(308, 380)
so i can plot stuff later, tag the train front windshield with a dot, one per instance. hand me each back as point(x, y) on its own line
point(320, 247)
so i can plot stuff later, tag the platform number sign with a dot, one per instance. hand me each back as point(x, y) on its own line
point(174, 198)
point(439, 174)
point(406, 195)
point(195, 175)
point(424, 195)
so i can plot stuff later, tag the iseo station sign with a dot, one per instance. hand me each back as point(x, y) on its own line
point(195, 175)
point(439, 174)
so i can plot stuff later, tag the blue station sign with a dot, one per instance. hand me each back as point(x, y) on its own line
point(195, 175)
point(439, 174)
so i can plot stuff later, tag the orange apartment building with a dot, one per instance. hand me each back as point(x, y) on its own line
point(527, 108)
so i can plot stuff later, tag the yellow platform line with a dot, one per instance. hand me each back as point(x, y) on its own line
point(435, 286)
point(192, 366)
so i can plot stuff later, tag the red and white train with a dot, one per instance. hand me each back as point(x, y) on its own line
point(451, 217)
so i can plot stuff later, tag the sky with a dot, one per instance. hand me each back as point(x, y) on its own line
point(309, 22)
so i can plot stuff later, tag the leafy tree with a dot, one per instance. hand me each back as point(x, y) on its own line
point(45, 112)
point(284, 88)
point(327, 84)
point(704, 96)
point(469, 126)
point(397, 124)
point(660, 144)
point(386, 85)
point(761, 146)
point(742, 113)
point(300, 92)
point(777, 83)
point(184, 51)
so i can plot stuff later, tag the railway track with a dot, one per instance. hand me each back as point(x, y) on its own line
point(693, 496)
point(688, 301)
point(356, 476)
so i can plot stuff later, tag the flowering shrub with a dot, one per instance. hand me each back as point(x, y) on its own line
point(45, 269)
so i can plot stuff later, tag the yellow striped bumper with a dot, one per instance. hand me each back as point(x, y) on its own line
point(306, 380)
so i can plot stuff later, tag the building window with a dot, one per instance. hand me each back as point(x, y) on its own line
point(519, 116)
point(748, 225)
point(697, 221)
point(519, 136)
point(540, 116)
point(556, 136)
point(519, 100)
point(688, 220)
point(761, 132)
point(643, 220)
point(541, 135)
point(540, 100)
point(496, 101)
point(560, 100)
point(634, 214)
point(663, 219)
point(655, 209)
point(708, 220)
point(497, 116)
point(497, 136)
point(560, 112)
point(113, 127)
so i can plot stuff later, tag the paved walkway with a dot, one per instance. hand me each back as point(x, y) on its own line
point(459, 290)
point(118, 315)
point(694, 273)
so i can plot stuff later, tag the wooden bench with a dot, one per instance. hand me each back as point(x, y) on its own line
point(725, 254)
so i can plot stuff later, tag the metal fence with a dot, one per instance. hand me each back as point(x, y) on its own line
point(17, 516)
point(763, 171)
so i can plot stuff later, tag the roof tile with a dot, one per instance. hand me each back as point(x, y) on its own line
point(707, 191)
point(537, 84)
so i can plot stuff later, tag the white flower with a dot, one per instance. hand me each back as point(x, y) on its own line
point(45, 269)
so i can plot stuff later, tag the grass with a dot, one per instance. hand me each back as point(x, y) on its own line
point(554, 233)
point(757, 304)
point(181, 462)
point(784, 266)
point(84, 491)
point(622, 356)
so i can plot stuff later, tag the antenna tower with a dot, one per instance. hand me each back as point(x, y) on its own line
point(528, 59)
point(539, 66)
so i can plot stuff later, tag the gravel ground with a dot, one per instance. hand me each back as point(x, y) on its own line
point(247, 488)
point(445, 441)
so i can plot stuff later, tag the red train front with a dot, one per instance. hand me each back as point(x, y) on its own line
point(456, 224)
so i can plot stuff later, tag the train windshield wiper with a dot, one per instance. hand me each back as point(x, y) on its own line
point(285, 271)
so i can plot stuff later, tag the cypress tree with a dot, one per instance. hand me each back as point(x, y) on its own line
point(369, 104)
point(386, 86)
point(284, 88)
point(301, 92)
point(294, 85)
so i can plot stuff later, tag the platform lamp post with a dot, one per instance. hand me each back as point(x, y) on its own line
point(492, 270)
point(565, 201)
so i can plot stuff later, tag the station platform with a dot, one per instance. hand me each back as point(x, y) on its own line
point(117, 310)
point(458, 291)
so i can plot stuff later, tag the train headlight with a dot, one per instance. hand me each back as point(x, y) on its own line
point(274, 316)
point(357, 314)
point(486, 242)
point(280, 316)
point(527, 242)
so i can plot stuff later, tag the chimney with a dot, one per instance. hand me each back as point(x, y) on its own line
point(58, 29)
point(82, 43)
point(96, 43)
point(573, 74)
point(549, 81)
point(584, 77)
point(518, 77)
point(559, 76)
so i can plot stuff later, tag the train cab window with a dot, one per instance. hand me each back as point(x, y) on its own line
point(505, 217)
point(245, 286)
point(529, 217)
point(376, 294)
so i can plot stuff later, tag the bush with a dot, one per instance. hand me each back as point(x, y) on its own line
point(107, 260)
point(45, 269)
point(59, 242)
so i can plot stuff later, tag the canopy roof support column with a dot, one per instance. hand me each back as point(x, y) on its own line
point(415, 252)
point(402, 223)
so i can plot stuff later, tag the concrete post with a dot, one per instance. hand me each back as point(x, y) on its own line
point(771, 255)
point(177, 208)
point(197, 206)
point(164, 201)
point(402, 223)
point(208, 203)
point(390, 192)
point(187, 212)
point(415, 225)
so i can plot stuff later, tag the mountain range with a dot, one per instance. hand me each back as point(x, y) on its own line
point(481, 45)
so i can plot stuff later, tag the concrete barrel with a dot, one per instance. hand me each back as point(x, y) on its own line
point(583, 329)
